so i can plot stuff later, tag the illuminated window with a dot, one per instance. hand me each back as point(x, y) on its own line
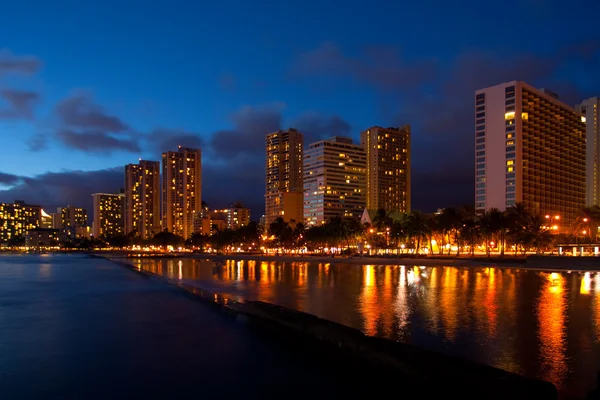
point(509, 115)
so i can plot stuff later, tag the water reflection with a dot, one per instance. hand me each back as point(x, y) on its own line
point(542, 325)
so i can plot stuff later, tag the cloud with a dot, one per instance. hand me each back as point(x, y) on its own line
point(380, 66)
point(80, 111)
point(20, 103)
point(96, 141)
point(316, 126)
point(10, 63)
point(9, 179)
point(250, 125)
point(241, 179)
point(58, 189)
point(163, 139)
point(84, 125)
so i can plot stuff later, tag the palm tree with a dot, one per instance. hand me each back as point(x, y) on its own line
point(418, 227)
point(382, 220)
point(519, 221)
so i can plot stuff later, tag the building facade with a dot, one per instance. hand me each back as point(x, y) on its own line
point(182, 190)
point(142, 199)
point(70, 221)
point(334, 180)
point(108, 214)
point(589, 109)
point(16, 219)
point(42, 237)
point(388, 168)
point(529, 148)
point(284, 175)
point(237, 217)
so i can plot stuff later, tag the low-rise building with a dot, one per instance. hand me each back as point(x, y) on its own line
point(42, 237)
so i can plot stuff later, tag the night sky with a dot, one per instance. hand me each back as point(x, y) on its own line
point(86, 87)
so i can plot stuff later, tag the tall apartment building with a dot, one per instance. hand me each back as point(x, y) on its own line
point(589, 109)
point(182, 190)
point(388, 168)
point(529, 148)
point(71, 217)
point(334, 180)
point(17, 218)
point(108, 214)
point(142, 198)
point(237, 216)
point(284, 187)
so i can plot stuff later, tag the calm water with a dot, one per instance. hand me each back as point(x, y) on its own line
point(538, 324)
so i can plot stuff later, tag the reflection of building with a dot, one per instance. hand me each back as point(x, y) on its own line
point(142, 198)
point(42, 237)
point(388, 168)
point(283, 196)
point(334, 180)
point(182, 190)
point(529, 148)
point(17, 218)
point(589, 109)
point(108, 214)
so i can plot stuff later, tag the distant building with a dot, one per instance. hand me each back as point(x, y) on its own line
point(108, 214)
point(46, 220)
point(182, 190)
point(70, 221)
point(388, 168)
point(529, 148)
point(334, 180)
point(42, 237)
point(589, 109)
point(142, 198)
point(17, 218)
point(237, 216)
point(284, 176)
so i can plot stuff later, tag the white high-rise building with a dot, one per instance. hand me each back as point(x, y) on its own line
point(529, 149)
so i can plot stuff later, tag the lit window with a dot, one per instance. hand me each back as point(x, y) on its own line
point(583, 119)
point(525, 116)
point(509, 115)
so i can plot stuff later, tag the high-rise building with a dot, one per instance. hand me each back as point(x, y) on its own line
point(17, 218)
point(589, 109)
point(70, 221)
point(334, 180)
point(142, 198)
point(529, 149)
point(108, 214)
point(72, 217)
point(237, 216)
point(182, 190)
point(388, 168)
point(284, 165)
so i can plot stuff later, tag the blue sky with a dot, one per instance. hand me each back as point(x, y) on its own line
point(112, 81)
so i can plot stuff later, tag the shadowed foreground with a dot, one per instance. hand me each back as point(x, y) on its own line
point(75, 327)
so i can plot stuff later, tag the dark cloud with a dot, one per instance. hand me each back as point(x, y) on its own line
point(80, 112)
point(85, 126)
point(316, 126)
point(376, 65)
point(10, 63)
point(241, 179)
point(247, 136)
point(161, 140)
point(9, 179)
point(96, 141)
point(57, 189)
point(20, 103)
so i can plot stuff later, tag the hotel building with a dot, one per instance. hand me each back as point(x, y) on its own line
point(182, 190)
point(17, 218)
point(142, 198)
point(589, 109)
point(108, 214)
point(334, 180)
point(284, 187)
point(529, 148)
point(388, 168)
point(237, 216)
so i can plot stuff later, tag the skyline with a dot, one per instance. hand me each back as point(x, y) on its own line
point(176, 83)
